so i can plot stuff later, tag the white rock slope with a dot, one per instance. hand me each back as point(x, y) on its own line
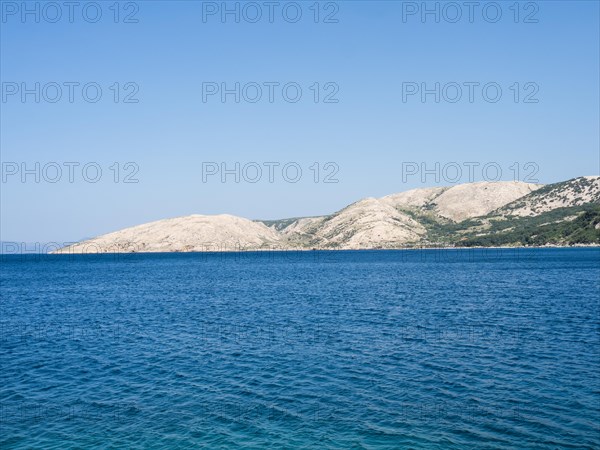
point(183, 234)
point(575, 192)
point(393, 221)
point(463, 201)
point(369, 223)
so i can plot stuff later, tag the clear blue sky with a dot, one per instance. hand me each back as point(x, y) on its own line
point(369, 53)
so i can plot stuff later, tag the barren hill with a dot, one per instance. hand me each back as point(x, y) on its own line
point(463, 201)
point(575, 192)
point(195, 233)
point(486, 213)
point(368, 223)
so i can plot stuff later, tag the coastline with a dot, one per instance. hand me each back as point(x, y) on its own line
point(230, 250)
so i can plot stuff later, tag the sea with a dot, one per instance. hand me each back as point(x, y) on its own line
point(415, 349)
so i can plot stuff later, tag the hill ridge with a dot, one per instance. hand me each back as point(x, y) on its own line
point(464, 214)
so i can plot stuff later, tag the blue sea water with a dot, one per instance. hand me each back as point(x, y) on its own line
point(438, 349)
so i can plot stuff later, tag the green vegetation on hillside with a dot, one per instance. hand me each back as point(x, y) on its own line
point(577, 223)
point(281, 223)
point(562, 226)
point(561, 190)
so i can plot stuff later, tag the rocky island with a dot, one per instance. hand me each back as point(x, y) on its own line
point(466, 215)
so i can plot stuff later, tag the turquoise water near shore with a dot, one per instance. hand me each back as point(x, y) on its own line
point(471, 348)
